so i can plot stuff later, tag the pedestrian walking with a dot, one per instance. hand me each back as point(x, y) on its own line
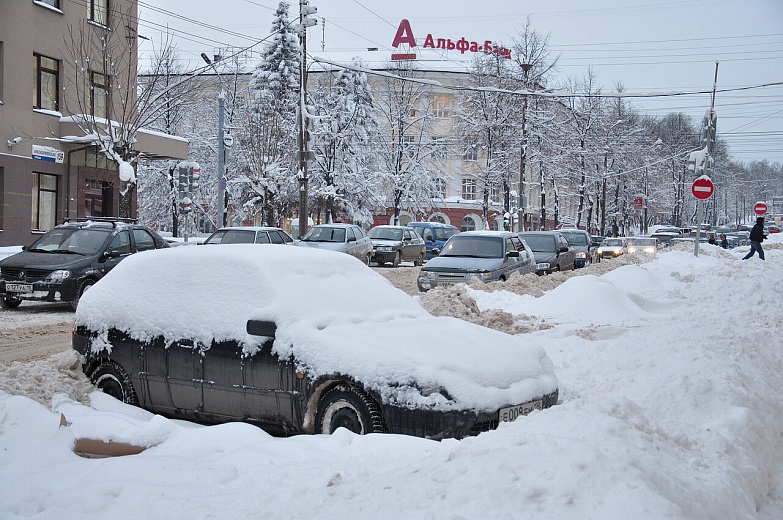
point(724, 242)
point(756, 237)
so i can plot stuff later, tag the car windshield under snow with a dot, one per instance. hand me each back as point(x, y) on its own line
point(325, 234)
point(385, 233)
point(478, 247)
point(83, 241)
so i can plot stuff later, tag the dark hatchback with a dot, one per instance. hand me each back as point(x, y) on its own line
point(70, 258)
point(551, 250)
point(267, 349)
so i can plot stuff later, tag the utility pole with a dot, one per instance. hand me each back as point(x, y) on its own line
point(305, 21)
point(221, 168)
point(523, 155)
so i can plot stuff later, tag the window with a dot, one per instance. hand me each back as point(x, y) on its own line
point(469, 189)
point(440, 188)
point(121, 243)
point(471, 153)
point(99, 12)
point(467, 224)
point(46, 83)
point(53, 3)
point(407, 142)
point(439, 147)
point(143, 239)
point(440, 106)
point(44, 202)
point(99, 95)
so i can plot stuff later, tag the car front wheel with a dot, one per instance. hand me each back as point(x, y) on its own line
point(112, 379)
point(82, 289)
point(9, 302)
point(396, 261)
point(348, 407)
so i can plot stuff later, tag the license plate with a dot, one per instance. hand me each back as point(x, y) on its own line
point(19, 287)
point(513, 413)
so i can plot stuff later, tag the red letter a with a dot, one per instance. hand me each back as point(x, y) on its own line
point(404, 35)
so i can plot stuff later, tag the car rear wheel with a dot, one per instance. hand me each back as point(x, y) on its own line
point(346, 406)
point(367, 260)
point(396, 261)
point(112, 379)
point(82, 289)
point(419, 260)
point(9, 302)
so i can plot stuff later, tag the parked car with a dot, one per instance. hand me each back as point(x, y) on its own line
point(70, 258)
point(582, 244)
point(482, 255)
point(665, 238)
point(551, 250)
point(435, 235)
point(395, 244)
point(344, 238)
point(298, 341)
point(614, 247)
point(642, 244)
point(249, 235)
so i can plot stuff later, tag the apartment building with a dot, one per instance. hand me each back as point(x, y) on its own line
point(51, 167)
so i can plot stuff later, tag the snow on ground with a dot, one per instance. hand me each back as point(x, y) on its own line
point(670, 408)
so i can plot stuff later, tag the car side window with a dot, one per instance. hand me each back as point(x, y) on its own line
point(510, 246)
point(350, 234)
point(262, 237)
point(121, 243)
point(275, 237)
point(427, 235)
point(143, 239)
point(358, 231)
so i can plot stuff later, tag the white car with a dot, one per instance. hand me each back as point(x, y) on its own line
point(345, 238)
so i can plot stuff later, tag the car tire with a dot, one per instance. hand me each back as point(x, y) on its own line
point(348, 407)
point(396, 261)
point(9, 302)
point(367, 260)
point(85, 285)
point(112, 379)
point(419, 260)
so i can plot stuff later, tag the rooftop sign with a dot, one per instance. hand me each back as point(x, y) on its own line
point(405, 38)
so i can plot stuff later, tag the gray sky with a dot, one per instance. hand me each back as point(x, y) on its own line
point(648, 46)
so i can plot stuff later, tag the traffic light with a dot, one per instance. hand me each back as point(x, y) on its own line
point(709, 127)
point(185, 205)
point(195, 178)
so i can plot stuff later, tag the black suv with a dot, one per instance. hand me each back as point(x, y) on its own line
point(69, 259)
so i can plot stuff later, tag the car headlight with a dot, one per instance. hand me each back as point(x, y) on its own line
point(434, 391)
point(58, 276)
point(649, 250)
point(581, 254)
point(543, 265)
point(427, 274)
point(480, 276)
point(631, 249)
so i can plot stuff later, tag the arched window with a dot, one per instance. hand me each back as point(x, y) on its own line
point(468, 224)
point(438, 218)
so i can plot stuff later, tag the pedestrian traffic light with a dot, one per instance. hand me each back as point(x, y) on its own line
point(185, 205)
point(195, 178)
point(709, 126)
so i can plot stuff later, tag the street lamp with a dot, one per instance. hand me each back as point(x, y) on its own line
point(523, 154)
point(221, 210)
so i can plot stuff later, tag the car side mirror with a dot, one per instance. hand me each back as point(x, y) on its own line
point(110, 254)
point(513, 254)
point(351, 239)
point(562, 249)
point(261, 328)
point(406, 239)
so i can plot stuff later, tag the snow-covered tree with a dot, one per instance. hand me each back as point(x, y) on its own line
point(268, 136)
point(343, 177)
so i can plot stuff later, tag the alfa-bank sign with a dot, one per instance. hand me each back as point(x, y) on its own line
point(405, 38)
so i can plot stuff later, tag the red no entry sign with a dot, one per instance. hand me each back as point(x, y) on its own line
point(702, 188)
point(760, 208)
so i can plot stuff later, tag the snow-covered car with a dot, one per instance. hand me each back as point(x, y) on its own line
point(249, 235)
point(395, 244)
point(345, 238)
point(488, 256)
point(612, 247)
point(70, 258)
point(290, 344)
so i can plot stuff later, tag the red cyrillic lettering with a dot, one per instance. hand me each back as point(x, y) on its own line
point(404, 35)
point(428, 42)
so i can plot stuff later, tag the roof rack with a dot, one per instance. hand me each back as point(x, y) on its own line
point(110, 220)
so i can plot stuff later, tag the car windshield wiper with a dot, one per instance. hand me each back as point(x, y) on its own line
point(39, 250)
point(67, 251)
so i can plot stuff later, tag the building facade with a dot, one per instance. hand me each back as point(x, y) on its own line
point(51, 167)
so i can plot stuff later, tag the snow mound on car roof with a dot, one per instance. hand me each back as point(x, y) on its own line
point(332, 312)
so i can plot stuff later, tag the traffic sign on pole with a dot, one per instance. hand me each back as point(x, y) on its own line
point(702, 188)
point(760, 208)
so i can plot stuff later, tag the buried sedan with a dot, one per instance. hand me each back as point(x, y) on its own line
point(272, 348)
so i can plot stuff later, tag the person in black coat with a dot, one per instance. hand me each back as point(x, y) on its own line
point(724, 242)
point(756, 237)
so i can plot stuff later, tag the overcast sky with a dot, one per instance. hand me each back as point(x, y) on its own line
point(648, 46)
